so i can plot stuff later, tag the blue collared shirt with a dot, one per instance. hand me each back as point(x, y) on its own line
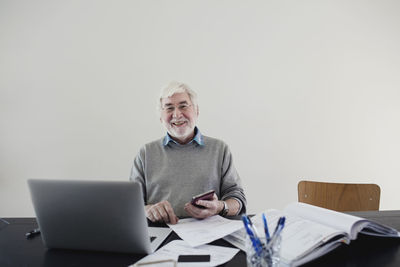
point(198, 138)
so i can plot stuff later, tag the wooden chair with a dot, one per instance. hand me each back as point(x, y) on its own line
point(340, 197)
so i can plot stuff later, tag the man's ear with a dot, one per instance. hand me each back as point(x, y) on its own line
point(197, 111)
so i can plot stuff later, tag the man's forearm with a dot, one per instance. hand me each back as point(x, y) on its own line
point(233, 206)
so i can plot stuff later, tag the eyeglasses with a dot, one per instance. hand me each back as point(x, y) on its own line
point(171, 108)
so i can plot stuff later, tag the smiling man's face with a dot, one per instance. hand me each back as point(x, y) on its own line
point(179, 116)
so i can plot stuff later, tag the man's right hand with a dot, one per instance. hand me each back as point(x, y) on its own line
point(161, 212)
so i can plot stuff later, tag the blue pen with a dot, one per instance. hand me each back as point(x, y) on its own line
point(278, 229)
point(266, 228)
point(256, 244)
point(260, 244)
point(278, 225)
point(253, 227)
point(249, 232)
point(281, 225)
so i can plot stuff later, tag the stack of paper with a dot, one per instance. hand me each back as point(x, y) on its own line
point(199, 232)
point(219, 255)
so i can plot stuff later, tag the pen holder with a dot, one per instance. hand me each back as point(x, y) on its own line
point(268, 256)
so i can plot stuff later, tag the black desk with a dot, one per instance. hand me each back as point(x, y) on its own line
point(16, 250)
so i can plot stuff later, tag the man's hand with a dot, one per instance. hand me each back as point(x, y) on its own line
point(161, 212)
point(211, 207)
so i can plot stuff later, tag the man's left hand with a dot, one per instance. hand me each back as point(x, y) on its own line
point(211, 207)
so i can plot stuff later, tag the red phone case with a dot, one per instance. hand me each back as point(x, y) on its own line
point(204, 196)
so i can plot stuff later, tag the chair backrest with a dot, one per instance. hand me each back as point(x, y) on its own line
point(340, 197)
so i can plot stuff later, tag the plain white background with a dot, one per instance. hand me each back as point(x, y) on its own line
point(298, 89)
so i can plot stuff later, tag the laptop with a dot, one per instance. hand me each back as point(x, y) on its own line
point(94, 215)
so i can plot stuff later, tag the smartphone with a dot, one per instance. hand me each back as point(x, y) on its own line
point(194, 258)
point(203, 196)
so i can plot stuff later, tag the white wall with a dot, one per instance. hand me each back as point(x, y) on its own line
point(298, 89)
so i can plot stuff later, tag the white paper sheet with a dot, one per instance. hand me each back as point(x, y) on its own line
point(199, 232)
point(219, 255)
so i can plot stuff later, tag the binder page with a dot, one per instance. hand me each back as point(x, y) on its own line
point(341, 221)
point(299, 236)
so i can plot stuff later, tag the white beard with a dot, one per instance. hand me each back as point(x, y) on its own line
point(179, 132)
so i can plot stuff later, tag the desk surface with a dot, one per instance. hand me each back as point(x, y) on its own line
point(16, 250)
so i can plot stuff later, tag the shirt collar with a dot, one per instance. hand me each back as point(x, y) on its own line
point(198, 138)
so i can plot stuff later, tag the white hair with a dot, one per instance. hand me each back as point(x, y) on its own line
point(177, 87)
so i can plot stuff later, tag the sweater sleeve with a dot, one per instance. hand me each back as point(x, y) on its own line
point(230, 181)
point(137, 172)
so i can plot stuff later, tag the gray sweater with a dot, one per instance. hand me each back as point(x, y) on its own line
point(177, 172)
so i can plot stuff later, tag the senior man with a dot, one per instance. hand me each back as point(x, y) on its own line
point(185, 163)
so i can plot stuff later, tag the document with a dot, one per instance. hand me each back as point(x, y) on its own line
point(199, 232)
point(312, 231)
point(218, 255)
